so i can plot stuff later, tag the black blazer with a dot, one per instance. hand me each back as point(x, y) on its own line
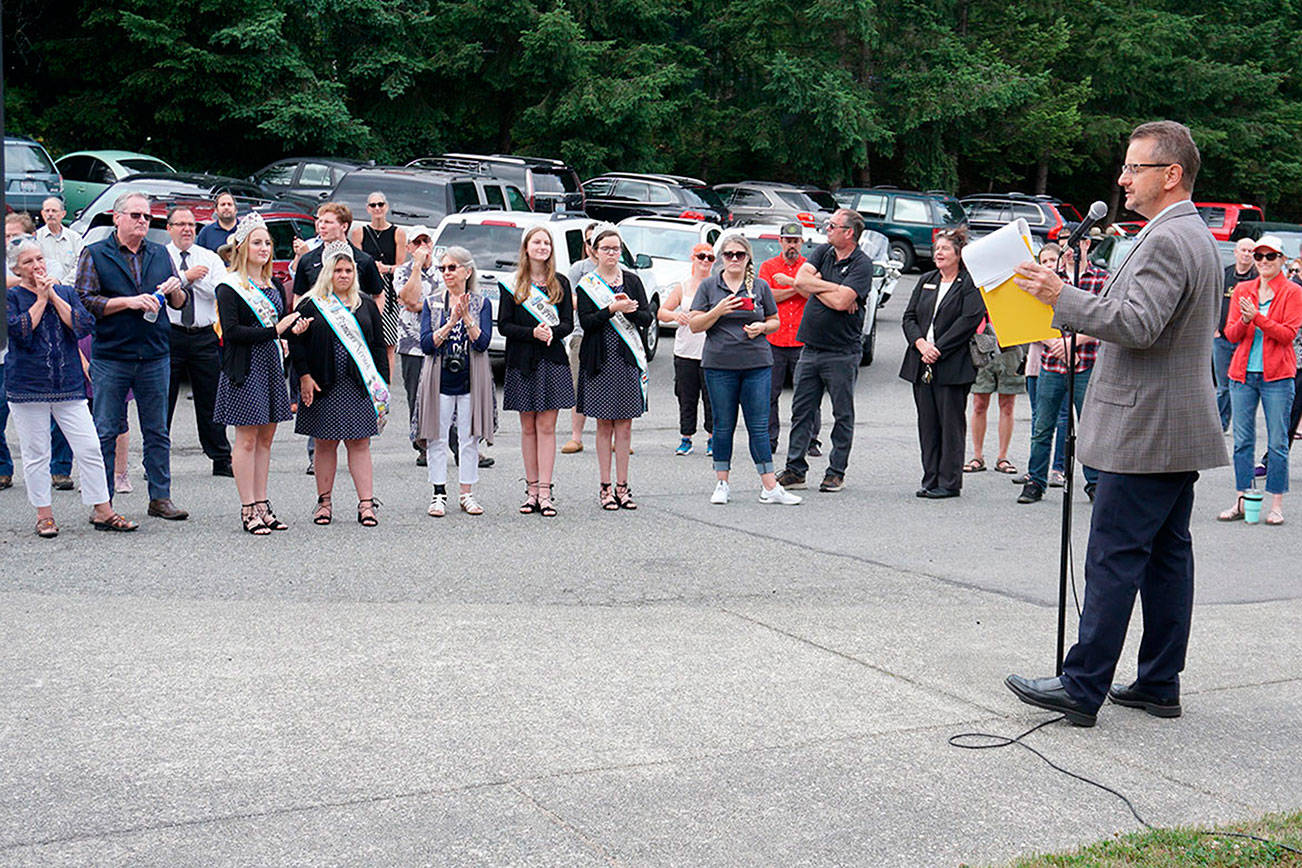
point(595, 320)
point(313, 351)
point(960, 313)
point(309, 268)
point(516, 324)
point(241, 330)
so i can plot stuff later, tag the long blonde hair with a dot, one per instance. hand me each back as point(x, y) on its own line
point(522, 270)
point(325, 284)
point(239, 262)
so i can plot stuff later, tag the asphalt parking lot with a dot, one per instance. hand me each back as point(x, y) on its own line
point(686, 684)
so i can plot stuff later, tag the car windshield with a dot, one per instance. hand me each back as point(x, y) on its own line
point(1068, 212)
point(554, 182)
point(493, 245)
point(767, 246)
point(23, 159)
point(951, 212)
point(409, 199)
point(660, 242)
point(704, 196)
point(822, 199)
point(145, 164)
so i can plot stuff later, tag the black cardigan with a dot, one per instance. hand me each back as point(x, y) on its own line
point(961, 311)
point(313, 351)
point(241, 330)
point(595, 321)
point(516, 324)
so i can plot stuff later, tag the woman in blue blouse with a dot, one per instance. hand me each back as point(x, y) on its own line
point(43, 378)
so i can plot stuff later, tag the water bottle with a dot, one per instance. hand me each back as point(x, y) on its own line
point(152, 315)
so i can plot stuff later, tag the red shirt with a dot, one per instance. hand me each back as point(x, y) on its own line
point(789, 311)
point(1278, 326)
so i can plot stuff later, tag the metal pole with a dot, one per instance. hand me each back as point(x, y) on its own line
point(1068, 468)
point(4, 321)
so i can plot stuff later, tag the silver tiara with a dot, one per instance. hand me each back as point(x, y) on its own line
point(245, 228)
point(336, 250)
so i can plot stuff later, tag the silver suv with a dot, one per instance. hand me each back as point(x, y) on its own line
point(772, 202)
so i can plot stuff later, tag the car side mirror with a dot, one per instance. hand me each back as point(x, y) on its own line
point(642, 261)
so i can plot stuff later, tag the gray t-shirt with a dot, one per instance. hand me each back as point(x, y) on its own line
point(726, 343)
point(577, 270)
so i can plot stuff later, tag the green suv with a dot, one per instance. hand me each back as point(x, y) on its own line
point(908, 218)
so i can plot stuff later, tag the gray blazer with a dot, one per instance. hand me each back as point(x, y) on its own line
point(1151, 405)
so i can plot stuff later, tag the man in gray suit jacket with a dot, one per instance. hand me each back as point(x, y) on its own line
point(1150, 424)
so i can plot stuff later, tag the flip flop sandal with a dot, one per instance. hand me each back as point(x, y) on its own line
point(976, 465)
point(1234, 513)
point(1003, 465)
point(1274, 517)
point(46, 528)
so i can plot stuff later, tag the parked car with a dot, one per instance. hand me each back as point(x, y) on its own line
point(770, 202)
point(283, 224)
point(617, 195)
point(1223, 218)
point(307, 180)
point(30, 176)
point(424, 196)
point(908, 218)
point(1290, 234)
point(548, 185)
point(668, 242)
point(1047, 217)
point(170, 186)
point(822, 198)
point(493, 238)
point(764, 243)
point(86, 174)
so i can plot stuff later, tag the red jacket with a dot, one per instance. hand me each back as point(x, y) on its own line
point(1278, 327)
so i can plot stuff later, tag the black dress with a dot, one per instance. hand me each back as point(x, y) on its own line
point(261, 396)
point(537, 375)
point(383, 246)
point(342, 409)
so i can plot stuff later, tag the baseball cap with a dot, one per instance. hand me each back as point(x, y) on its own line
point(1269, 242)
point(792, 230)
point(417, 231)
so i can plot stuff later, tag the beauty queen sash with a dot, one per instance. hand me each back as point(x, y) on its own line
point(602, 295)
point(349, 331)
point(255, 298)
point(541, 308)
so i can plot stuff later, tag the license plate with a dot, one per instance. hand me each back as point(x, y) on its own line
point(27, 186)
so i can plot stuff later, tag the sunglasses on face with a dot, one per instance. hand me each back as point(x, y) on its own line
point(733, 255)
point(136, 215)
point(448, 268)
point(376, 204)
point(705, 257)
point(1269, 257)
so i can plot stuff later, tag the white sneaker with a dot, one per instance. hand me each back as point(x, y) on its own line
point(778, 494)
point(720, 493)
point(438, 505)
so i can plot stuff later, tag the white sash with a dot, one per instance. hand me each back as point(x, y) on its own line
point(602, 295)
point(541, 308)
point(349, 331)
point(255, 298)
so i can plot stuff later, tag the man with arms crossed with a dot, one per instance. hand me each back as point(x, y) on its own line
point(1150, 424)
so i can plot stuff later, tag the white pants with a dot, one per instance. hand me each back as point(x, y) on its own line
point(32, 420)
point(469, 446)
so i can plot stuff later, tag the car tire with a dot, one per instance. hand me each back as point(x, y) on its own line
point(651, 337)
point(869, 346)
point(902, 251)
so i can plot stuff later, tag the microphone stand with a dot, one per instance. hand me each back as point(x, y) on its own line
point(1068, 470)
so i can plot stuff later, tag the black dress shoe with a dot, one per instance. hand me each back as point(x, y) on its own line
point(164, 508)
point(921, 492)
point(1133, 697)
point(1031, 493)
point(223, 468)
point(486, 461)
point(1089, 491)
point(1049, 694)
point(941, 493)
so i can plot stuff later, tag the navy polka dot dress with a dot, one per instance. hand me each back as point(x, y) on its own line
point(263, 397)
point(345, 412)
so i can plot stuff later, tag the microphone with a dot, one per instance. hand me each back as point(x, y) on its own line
point(1096, 213)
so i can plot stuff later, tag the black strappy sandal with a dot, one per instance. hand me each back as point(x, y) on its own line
point(530, 504)
point(323, 514)
point(624, 496)
point(269, 517)
point(607, 499)
point(366, 516)
point(546, 508)
point(252, 520)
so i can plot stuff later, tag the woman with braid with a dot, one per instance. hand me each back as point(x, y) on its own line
point(735, 310)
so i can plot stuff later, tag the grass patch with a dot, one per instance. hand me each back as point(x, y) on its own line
point(1186, 846)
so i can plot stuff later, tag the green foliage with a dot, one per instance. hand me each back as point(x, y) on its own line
point(965, 95)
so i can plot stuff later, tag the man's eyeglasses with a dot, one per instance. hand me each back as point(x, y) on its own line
point(183, 223)
point(734, 255)
point(1269, 257)
point(705, 257)
point(135, 215)
point(831, 226)
point(1136, 168)
point(607, 249)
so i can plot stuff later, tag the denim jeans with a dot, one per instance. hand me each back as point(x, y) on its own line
point(1050, 397)
point(1222, 353)
point(1276, 397)
point(820, 371)
point(60, 451)
point(749, 389)
point(6, 459)
point(113, 378)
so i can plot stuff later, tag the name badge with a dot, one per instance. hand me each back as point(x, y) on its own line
point(931, 286)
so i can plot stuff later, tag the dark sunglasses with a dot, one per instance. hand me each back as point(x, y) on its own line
point(734, 254)
point(1269, 257)
point(376, 204)
point(448, 267)
point(705, 257)
point(136, 215)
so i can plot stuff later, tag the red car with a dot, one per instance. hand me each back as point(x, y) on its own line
point(1223, 217)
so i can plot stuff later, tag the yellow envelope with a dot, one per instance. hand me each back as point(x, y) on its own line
point(1018, 317)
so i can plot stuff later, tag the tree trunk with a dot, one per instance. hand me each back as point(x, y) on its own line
point(1042, 176)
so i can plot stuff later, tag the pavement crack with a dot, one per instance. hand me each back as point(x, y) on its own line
point(587, 840)
point(913, 682)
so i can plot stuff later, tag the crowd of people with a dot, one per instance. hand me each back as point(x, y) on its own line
point(371, 300)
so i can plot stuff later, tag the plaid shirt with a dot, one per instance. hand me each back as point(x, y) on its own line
point(1091, 280)
point(87, 283)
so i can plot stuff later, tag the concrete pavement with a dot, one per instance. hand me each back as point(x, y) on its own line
point(687, 684)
